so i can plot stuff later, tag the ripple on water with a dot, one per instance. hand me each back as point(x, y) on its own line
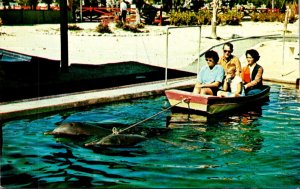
point(250, 149)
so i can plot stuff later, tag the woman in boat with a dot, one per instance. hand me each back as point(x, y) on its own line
point(210, 77)
point(232, 85)
point(252, 73)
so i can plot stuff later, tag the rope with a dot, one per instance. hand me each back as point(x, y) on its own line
point(115, 131)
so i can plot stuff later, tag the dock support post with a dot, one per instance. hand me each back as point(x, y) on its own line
point(64, 36)
point(167, 57)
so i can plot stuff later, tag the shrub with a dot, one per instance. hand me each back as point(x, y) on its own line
point(74, 27)
point(186, 18)
point(103, 28)
point(231, 18)
point(131, 28)
point(272, 17)
point(119, 24)
point(203, 17)
point(140, 25)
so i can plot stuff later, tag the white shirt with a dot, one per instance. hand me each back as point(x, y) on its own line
point(123, 6)
point(234, 84)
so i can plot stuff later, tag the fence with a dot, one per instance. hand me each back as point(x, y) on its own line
point(24, 15)
point(13, 17)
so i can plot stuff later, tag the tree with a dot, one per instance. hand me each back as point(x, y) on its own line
point(22, 2)
point(33, 4)
point(48, 2)
point(6, 3)
point(215, 5)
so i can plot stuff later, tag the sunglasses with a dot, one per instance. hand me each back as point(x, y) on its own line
point(225, 51)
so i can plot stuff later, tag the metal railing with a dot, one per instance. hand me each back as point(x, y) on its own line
point(167, 48)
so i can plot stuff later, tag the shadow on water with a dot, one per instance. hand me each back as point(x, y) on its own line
point(128, 151)
point(64, 168)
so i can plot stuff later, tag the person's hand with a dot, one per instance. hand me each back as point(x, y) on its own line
point(228, 77)
point(198, 85)
point(202, 86)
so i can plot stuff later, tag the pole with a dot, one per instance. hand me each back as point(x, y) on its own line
point(167, 48)
point(199, 49)
point(64, 36)
point(286, 18)
point(80, 2)
point(167, 56)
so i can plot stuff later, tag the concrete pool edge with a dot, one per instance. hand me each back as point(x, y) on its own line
point(74, 100)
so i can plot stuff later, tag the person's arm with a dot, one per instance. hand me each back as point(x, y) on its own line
point(219, 78)
point(238, 67)
point(211, 85)
point(197, 87)
point(257, 78)
point(225, 84)
point(239, 89)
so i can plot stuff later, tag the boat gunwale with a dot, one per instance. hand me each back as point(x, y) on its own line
point(211, 98)
point(209, 101)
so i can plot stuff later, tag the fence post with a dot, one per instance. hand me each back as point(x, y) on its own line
point(160, 16)
point(91, 10)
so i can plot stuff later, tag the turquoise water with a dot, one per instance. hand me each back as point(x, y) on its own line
point(255, 148)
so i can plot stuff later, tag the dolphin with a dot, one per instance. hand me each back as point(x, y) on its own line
point(79, 129)
point(121, 140)
point(126, 138)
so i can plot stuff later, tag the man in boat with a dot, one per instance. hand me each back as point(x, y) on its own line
point(228, 59)
point(252, 73)
point(210, 77)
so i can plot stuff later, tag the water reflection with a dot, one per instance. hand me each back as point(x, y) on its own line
point(235, 132)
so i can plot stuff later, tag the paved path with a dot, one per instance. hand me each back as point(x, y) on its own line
point(88, 47)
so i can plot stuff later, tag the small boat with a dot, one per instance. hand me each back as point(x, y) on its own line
point(208, 104)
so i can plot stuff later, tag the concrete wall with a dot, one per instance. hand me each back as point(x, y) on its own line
point(16, 17)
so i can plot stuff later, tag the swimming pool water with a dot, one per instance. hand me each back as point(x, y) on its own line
point(256, 148)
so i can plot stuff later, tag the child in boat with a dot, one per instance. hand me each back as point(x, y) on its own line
point(232, 85)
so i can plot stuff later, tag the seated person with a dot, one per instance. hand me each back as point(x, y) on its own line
point(228, 59)
point(252, 73)
point(233, 85)
point(210, 77)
